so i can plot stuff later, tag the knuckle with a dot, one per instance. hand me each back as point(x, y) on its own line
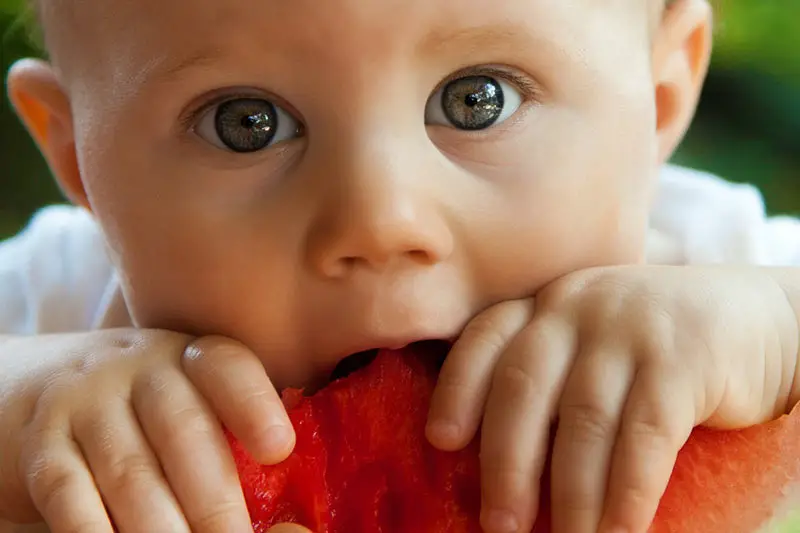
point(48, 409)
point(169, 416)
point(654, 427)
point(217, 519)
point(256, 397)
point(65, 389)
point(48, 480)
point(128, 471)
point(487, 331)
point(108, 348)
point(254, 409)
point(516, 383)
point(93, 421)
point(646, 428)
point(546, 342)
point(496, 324)
point(151, 382)
point(503, 480)
point(635, 496)
point(586, 422)
point(123, 340)
point(657, 338)
point(147, 348)
point(564, 289)
point(188, 422)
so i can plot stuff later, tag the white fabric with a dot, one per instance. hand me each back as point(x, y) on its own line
point(712, 221)
point(55, 275)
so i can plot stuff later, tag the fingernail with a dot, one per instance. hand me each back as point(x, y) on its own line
point(496, 521)
point(276, 438)
point(444, 430)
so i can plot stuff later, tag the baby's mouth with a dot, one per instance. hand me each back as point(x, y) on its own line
point(354, 362)
point(357, 361)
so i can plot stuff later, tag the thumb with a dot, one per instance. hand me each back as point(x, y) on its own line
point(288, 528)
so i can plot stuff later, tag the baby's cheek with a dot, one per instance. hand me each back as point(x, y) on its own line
point(547, 241)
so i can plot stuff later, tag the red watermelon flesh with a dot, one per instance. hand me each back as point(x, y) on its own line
point(362, 465)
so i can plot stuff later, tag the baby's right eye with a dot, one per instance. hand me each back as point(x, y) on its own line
point(246, 125)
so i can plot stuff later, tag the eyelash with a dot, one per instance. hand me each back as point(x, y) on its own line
point(529, 88)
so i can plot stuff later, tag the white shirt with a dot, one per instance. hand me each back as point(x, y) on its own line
point(55, 275)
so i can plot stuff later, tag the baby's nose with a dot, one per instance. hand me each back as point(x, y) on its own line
point(374, 220)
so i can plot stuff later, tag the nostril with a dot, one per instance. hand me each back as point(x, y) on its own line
point(348, 264)
point(420, 256)
point(351, 263)
point(339, 268)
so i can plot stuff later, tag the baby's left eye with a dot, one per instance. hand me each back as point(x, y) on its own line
point(473, 103)
point(247, 125)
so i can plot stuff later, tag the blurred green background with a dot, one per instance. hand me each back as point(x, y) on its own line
point(747, 128)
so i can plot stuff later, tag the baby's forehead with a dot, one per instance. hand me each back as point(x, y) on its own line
point(135, 30)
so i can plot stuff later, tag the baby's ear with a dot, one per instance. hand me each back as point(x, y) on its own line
point(44, 108)
point(681, 56)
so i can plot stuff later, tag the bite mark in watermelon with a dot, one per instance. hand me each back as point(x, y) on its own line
point(362, 465)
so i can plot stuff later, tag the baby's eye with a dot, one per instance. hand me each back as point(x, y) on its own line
point(247, 125)
point(473, 103)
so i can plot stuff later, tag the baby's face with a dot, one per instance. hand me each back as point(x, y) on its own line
point(320, 178)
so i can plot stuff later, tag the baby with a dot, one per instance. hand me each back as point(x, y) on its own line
point(263, 188)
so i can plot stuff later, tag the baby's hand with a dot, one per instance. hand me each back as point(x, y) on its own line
point(628, 360)
point(125, 425)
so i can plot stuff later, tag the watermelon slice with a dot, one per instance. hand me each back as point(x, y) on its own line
point(362, 465)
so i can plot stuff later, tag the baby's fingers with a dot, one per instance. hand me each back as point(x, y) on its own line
point(466, 376)
point(126, 470)
point(195, 456)
point(516, 427)
point(62, 487)
point(234, 381)
point(589, 414)
point(658, 418)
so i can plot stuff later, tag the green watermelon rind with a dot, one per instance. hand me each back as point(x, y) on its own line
point(790, 525)
point(787, 514)
point(789, 521)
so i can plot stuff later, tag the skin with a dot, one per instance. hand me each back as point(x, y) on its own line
point(372, 228)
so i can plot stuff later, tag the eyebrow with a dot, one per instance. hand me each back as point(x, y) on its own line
point(502, 37)
point(480, 36)
point(509, 39)
point(164, 70)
